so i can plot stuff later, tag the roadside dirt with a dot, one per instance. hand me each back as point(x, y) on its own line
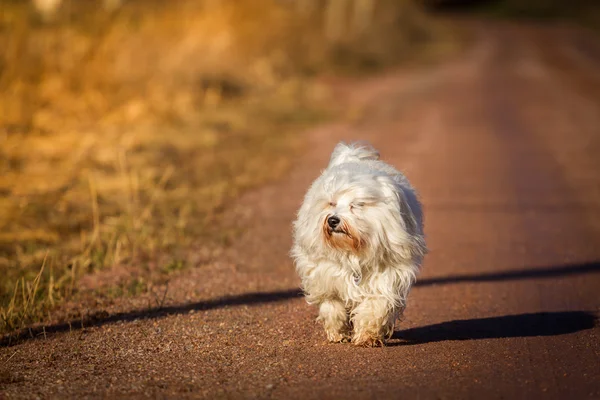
point(502, 145)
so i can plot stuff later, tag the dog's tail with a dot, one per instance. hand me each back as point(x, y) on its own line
point(343, 153)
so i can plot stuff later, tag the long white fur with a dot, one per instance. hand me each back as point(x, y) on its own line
point(361, 290)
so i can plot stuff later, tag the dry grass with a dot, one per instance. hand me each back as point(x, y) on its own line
point(124, 133)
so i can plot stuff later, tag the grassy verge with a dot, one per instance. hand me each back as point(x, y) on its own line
point(124, 133)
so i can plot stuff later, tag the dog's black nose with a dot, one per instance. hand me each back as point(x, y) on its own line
point(333, 221)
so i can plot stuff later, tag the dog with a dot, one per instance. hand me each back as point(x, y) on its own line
point(358, 245)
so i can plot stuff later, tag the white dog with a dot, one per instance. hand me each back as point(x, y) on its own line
point(358, 245)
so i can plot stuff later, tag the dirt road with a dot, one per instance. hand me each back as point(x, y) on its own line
point(504, 147)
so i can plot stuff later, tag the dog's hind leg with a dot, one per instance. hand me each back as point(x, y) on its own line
point(334, 316)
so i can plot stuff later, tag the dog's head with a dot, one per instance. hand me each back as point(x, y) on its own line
point(352, 209)
point(353, 205)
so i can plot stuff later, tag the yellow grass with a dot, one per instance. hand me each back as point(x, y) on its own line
point(124, 133)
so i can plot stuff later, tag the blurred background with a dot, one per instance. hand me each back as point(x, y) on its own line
point(126, 126)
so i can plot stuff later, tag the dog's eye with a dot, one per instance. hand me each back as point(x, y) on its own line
point(332, 204)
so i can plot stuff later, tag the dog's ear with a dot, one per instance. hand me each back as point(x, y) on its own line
point(404, 236)
point(343, 153)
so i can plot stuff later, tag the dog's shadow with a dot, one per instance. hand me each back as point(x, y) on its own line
point(522, 325)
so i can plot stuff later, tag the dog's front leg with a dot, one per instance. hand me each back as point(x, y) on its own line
point(334, 316)
point(373, 322)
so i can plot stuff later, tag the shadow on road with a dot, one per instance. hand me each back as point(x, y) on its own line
point(522, 325)
point(552, 272)
point(250, 299)
point(152, 313)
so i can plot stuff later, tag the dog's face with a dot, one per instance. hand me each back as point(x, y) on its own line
point(344, 223)
point(354, 212)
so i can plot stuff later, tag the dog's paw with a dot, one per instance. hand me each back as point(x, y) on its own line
point(338, 337)
point(368, 341)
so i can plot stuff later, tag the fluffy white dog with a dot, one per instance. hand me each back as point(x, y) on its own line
point(358, 245)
